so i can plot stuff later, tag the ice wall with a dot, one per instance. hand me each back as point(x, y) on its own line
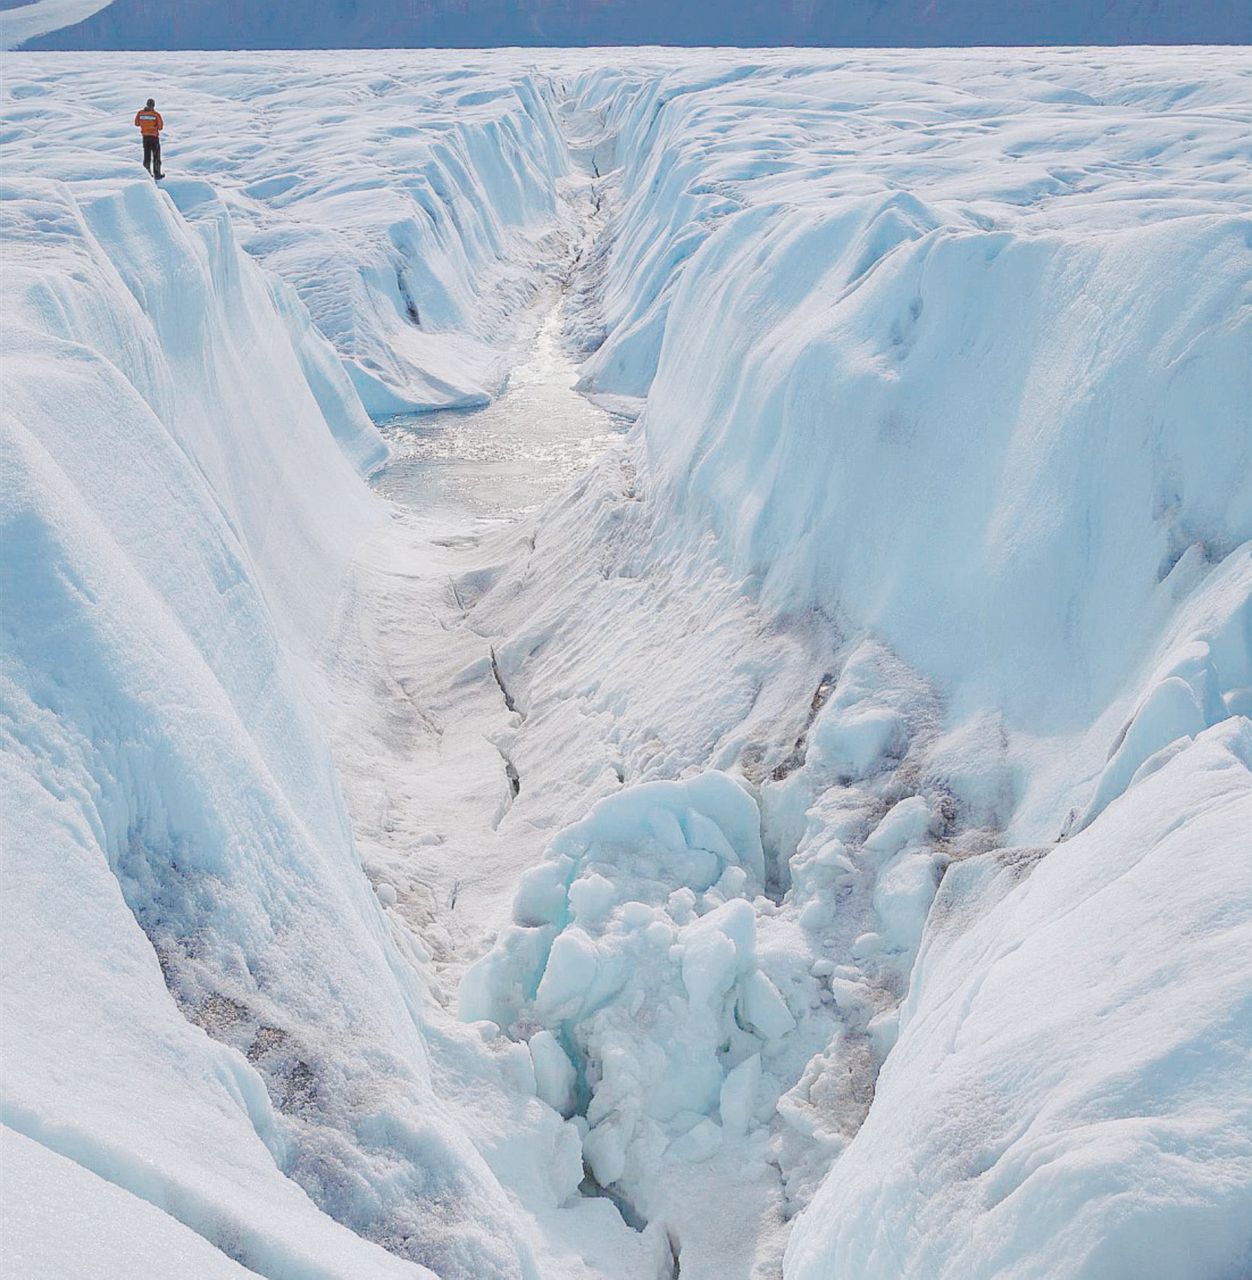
point(961, 364)
point(989, 402)
point(181, 497)
point(1069, 1095)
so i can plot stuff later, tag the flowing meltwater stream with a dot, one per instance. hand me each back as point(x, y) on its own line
point(503, 460)
point(467, 473)
point(459, 479)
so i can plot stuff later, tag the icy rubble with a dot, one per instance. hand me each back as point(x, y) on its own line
point(671, 1005)
point(634, 950)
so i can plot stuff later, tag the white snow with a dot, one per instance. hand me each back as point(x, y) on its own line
point(803, 834)
point(60, 1220)
point(22, 23)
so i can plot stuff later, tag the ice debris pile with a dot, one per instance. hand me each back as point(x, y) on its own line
point(678, 1001)
point(633, 971)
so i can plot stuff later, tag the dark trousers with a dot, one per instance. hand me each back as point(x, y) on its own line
point(152, 155)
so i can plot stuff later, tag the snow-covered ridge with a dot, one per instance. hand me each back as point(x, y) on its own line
point(395, 197)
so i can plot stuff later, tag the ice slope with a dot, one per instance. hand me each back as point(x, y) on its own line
point(126, 652)
point(60, 1220)
point(1070, 1094)
point(199, 24)
point(206, 1010)
point(945, 368)
point(955, 302)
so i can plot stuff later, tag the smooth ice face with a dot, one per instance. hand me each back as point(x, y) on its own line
point(1049, 1109)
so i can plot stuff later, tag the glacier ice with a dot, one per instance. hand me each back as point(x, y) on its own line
point(816, 841)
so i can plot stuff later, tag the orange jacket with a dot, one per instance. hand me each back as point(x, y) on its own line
point(149, 122)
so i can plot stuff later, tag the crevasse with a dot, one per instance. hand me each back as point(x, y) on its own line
point(874, 902)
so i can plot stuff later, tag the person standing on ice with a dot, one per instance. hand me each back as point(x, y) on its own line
point(149, 123)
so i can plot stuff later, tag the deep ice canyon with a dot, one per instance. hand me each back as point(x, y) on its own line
point(780, 810)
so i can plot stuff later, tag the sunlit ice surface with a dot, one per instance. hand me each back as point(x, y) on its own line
point(506, 458)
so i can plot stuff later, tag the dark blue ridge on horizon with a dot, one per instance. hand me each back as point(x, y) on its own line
point(243, 24)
